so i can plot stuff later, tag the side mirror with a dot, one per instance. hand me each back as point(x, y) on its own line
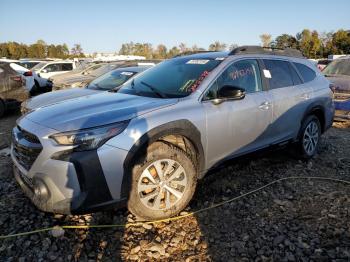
point(44, 71)
point(228, 92)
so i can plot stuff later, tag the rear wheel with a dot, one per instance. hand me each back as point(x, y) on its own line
point(163, 182)
point(309, 137)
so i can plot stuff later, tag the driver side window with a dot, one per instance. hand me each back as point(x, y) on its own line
point(244, 74)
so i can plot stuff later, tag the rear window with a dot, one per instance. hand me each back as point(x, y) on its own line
point(281, 75)
point(306, 72)
point(295, 76)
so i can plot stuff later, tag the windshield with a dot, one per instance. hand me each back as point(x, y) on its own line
point(177, 77)
point(39, 66)
point(338, 67)
point(110, 80)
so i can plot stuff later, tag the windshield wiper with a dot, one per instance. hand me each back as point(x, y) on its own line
point(154, 90)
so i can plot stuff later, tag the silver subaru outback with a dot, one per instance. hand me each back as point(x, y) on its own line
point(146, 145)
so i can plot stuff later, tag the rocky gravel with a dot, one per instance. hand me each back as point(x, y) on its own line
point(293, 220)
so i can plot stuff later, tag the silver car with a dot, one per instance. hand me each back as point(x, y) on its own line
point(148, 144)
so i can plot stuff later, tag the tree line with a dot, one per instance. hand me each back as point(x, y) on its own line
point(312, 44)
point(40, 49)
point(161, 51)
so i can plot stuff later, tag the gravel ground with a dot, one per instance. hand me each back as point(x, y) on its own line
point(294, 220)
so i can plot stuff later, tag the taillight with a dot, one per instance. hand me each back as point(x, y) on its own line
point(28, 73)
point(16, 78)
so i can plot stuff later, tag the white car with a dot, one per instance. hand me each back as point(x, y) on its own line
point(44, 70)
point(27, 75)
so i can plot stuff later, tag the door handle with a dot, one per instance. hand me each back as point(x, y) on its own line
point(265, 105)
point(305, 96)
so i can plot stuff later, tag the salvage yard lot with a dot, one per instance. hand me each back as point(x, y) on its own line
point(294, 220)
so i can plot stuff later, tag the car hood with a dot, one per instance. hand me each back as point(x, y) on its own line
point(342, 83)
point(95, 110)
point(57, 96)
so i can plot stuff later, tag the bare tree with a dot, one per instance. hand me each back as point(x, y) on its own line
point(266, 39)
point(217, 46)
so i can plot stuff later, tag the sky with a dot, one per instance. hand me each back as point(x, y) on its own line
point(104, 25)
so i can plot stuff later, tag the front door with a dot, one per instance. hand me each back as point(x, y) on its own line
point(237, 126)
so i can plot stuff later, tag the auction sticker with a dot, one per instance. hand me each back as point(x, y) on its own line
point(126, 73)
point(197, 62)
point(267, 73)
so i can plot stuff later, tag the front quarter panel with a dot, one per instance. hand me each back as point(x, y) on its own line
point(185, 116)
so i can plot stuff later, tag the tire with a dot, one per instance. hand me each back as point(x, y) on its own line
point(309, 138)
point(2, 108)
point(152, 197)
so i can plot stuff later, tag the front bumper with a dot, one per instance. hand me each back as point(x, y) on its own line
point(68, 183)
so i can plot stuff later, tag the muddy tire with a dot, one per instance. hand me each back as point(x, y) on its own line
point(163, 182)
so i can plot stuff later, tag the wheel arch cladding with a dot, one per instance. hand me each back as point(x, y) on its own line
point(319, 111)
point(179, 127)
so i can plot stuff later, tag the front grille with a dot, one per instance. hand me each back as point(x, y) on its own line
point(26, 147)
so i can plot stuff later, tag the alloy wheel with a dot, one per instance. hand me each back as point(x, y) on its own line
point(162, 184)
point(311, 137)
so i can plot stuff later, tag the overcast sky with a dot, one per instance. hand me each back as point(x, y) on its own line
point(104, 25)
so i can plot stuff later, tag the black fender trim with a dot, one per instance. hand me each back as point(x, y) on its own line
point(93, 185)
point(312, 108)
point(179, 127)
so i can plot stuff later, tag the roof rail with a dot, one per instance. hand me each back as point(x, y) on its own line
point(266, 50)
point(192, 52)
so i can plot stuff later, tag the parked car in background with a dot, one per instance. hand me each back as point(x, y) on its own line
point(106, 82)
point(338, 73)
point(44, 70)
point(322, 63)
point(12, 88)
point(146, 145)
point(71, 74)
point(84, 77)
point(79, 78)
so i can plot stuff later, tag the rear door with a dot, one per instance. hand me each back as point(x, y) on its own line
point(236, 127)
point(288, 96)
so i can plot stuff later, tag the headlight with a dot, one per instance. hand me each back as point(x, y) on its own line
point(91, 138)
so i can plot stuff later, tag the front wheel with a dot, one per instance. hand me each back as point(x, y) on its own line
point(309, 137)
point(163, 182)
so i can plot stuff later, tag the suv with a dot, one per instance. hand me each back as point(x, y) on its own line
point(44, 70)
point(148, 144)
